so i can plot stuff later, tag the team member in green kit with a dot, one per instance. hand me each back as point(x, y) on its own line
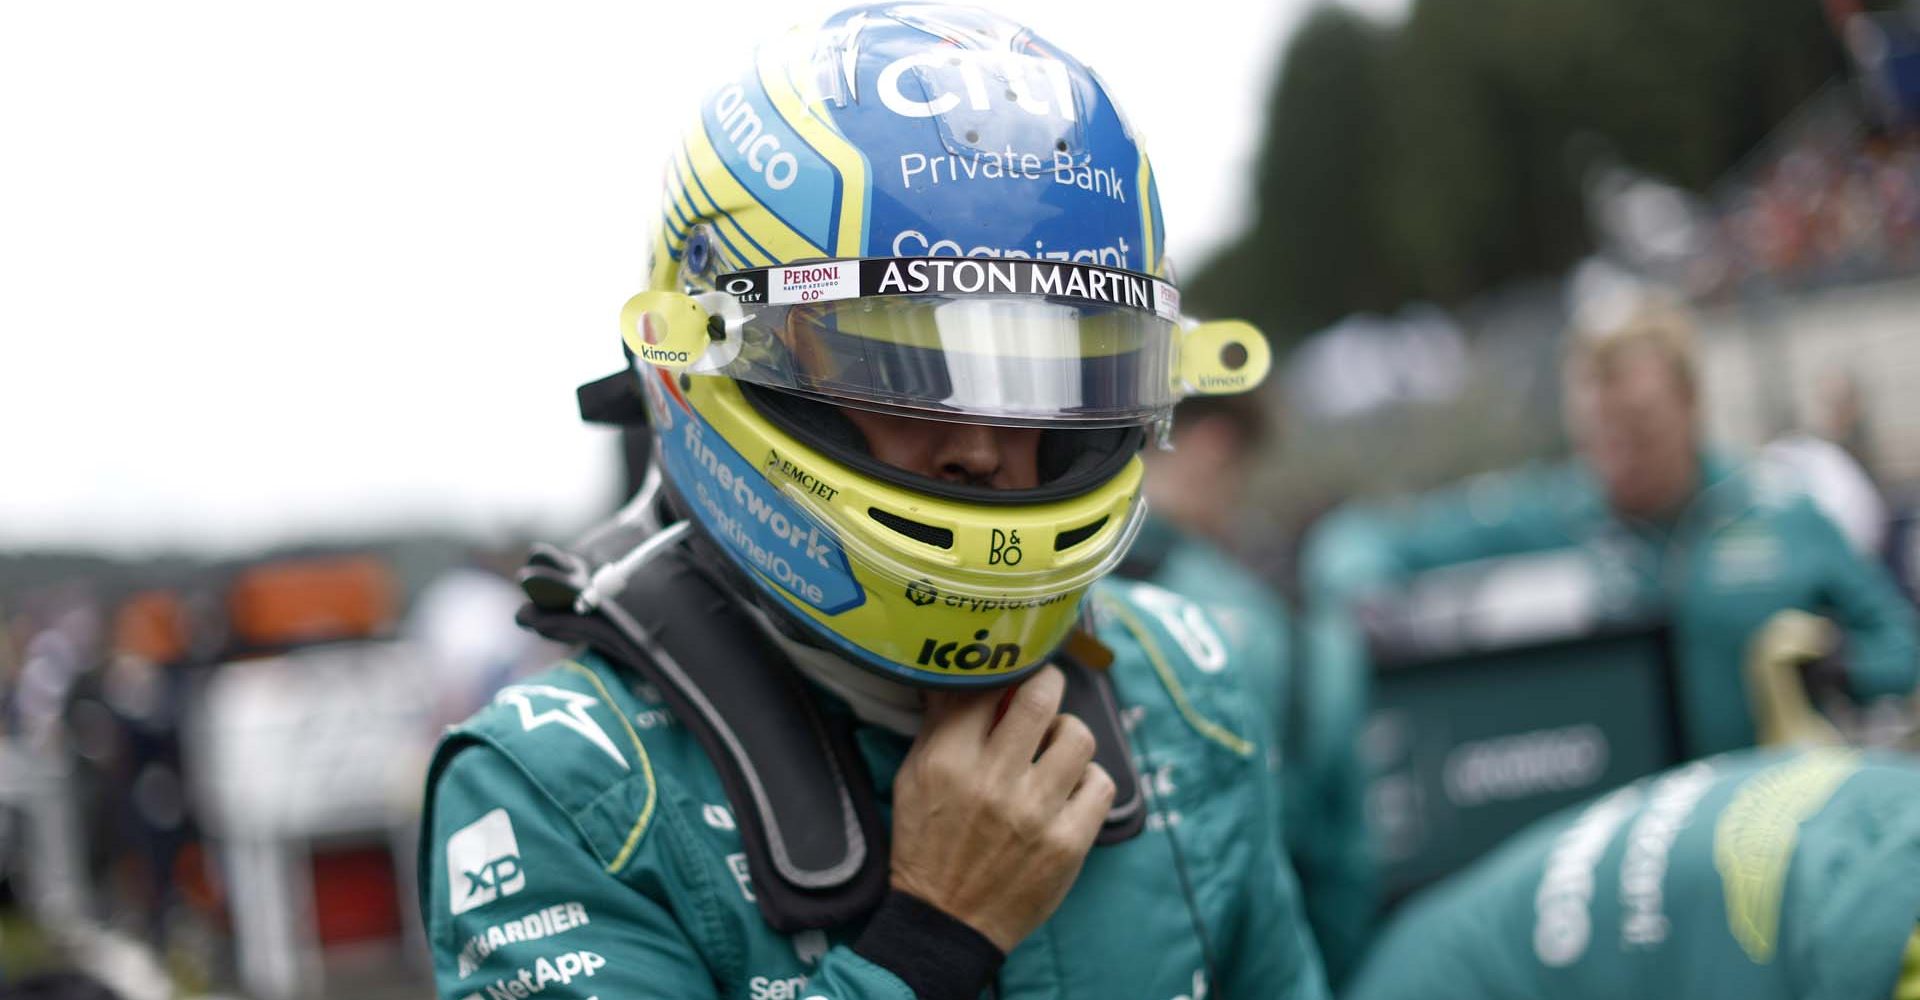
point(1746, 876)
point(1671, 527)
point(855, 714)
point(1195, 489)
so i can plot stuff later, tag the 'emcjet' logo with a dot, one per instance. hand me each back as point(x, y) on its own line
point(972, 656)
point(483, 862)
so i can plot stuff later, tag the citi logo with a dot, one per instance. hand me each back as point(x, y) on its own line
point(984, 78)
point(972, 656)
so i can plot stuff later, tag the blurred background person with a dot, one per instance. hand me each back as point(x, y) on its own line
point(1196, 493)
point(1762, 873)
point(1668, 526)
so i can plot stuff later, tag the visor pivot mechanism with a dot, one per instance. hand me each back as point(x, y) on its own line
point(669, 330)
point(1222, 358)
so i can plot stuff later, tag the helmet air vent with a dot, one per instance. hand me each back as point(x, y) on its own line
point(1073, 536)
point(926, 534)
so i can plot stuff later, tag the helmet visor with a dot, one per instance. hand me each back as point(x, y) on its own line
point(986, 341)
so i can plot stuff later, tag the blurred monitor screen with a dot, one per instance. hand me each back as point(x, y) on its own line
point(1466, 750)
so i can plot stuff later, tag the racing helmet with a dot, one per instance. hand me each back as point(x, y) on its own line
point(922, 210)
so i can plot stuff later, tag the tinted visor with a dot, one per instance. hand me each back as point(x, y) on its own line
point(986, 341)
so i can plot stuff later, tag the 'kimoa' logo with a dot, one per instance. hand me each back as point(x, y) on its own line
point(972, 656)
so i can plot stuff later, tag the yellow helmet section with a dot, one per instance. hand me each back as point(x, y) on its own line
point(938, 590)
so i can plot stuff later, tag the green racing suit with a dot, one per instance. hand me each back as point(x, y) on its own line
point(578, 844)
point(1751, 875)
point(1317, 721)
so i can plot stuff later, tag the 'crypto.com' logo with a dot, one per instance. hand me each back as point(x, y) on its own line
point(483, 862)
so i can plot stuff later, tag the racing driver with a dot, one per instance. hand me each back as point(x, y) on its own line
point(852, 714)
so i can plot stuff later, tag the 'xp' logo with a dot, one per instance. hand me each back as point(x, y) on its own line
point(496, 878)
point(922, 593)
point(972, 656)
point(1004, 548)
point(483, 862)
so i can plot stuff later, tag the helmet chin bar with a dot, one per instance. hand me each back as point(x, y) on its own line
point(677, 332)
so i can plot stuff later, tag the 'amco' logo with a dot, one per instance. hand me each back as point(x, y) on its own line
point(922, 593)
point(744, 129)
point(972, 656)
point(483, 862)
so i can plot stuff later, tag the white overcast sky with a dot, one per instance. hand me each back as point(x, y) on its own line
point(274, 271)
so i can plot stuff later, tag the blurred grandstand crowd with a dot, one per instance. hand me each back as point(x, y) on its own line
point(1827, 213)
point(210, 771)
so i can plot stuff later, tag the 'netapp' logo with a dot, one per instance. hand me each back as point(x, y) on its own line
point(483, 862)
point(972, 656)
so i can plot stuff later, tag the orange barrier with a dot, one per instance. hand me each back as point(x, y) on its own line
point(152, 625)
point(311, 600)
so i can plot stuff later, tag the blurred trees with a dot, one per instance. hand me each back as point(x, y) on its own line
point(1443, 156)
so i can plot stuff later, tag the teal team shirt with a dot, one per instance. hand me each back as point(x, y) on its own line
point(578, 844)
point(1316, 721)
point(1746, 876)
point(1746, 547)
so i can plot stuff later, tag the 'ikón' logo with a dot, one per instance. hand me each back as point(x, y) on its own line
point(975, 655)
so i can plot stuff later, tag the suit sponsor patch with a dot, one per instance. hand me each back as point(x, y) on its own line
point(483, 862)
point(541, 705)
point(544, 973)
point(544, 923)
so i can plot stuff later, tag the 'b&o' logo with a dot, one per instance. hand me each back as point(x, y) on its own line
point(1004, 548)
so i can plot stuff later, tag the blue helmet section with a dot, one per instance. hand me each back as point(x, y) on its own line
point(983, 139)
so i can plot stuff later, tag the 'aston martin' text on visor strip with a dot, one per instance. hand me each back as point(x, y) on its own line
point(830, 280)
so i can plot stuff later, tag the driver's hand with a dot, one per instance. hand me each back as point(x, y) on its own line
point(992, 820)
